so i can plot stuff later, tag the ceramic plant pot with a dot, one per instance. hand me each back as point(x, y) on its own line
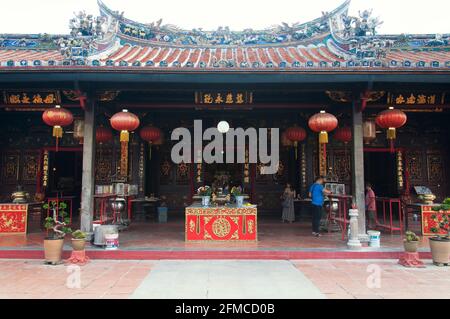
point(440, 250)
point(78, 244)
point(411, 246)
point(53, 250)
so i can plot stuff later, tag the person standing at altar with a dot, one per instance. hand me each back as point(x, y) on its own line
point(317, 193)
point(288, 196)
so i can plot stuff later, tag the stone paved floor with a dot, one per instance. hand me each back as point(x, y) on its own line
point(216, 279)
point(348, 279)
point(99, 279)
point(305, 279)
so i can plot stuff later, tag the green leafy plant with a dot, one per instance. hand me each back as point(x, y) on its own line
point(445, 206)
point(236, 191)
point(57, 226)
point(78, 234)
point(411, 236)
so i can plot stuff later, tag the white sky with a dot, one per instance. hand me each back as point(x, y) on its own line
point(52, 16)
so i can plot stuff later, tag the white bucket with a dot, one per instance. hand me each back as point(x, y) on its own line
point(374, 238)
point(111, 241)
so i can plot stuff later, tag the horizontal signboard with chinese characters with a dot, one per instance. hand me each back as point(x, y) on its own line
point(31, 98)
point(223, 98)
point(416, 99)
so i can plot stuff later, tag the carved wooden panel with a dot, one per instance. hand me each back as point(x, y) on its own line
point(10, 167)
point(280, 177)
point(342, 166)
point(29, 167)
point(183, 174)
point(104, 165)
point(415, 165)
point(166, 166)
point(435, 167)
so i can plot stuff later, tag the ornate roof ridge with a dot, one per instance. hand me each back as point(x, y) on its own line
point(104, 9)
point(157, 32)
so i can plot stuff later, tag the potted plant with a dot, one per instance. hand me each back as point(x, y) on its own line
point(78, 240)
point(440, 244)
point(205, 192)
point(237, 193)
point(57, 228)
point(411, 242)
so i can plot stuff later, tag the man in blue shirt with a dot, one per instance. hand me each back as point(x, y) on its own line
point(317, 192)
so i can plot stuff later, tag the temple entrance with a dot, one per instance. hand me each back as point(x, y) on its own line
point(380, 171)
point(65, 172)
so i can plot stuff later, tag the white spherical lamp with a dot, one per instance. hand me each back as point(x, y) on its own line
point(223, 127)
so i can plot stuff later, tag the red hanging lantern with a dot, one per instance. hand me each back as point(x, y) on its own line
point(391, 120)
point(343, 134)
point(103, 135)
point(295, 134)
point(285, 141)
point(160, 140)
point(124, 122)
point(58, 118)
point(323, 123)
point(150, 134)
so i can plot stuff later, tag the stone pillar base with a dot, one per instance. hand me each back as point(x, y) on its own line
point(354, 244)
point(411, 260)
point(364, 238)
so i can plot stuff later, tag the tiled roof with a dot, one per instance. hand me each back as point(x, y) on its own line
point(311, 57)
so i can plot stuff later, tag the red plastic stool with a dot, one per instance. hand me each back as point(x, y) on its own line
point(78, 257)
point(411, 260)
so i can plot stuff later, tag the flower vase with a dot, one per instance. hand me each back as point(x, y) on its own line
point(205, 200)
point(239, 201)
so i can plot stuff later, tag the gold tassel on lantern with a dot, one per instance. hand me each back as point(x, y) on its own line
point(391, 133)
point(57, 132)
point(323, 137)
point(124, 136)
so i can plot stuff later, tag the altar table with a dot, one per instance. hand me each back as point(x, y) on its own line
point(221, 223)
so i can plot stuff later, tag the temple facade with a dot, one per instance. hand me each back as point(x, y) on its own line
point(273, 78)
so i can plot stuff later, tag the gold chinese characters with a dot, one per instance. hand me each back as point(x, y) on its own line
point(223, 98)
